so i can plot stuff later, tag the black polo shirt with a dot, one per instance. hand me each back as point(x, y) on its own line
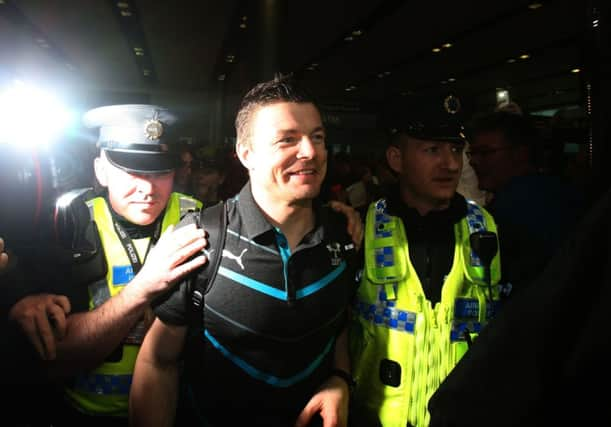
point(271, 317)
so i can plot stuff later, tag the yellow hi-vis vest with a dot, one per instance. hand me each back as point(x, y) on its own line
point(401, 346)
point(105, 390)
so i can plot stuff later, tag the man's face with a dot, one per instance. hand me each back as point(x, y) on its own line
point(138, 198)
point(493, 160)
point(206, 183)
point(286, 157)
point(428, 170)
point(183, 172)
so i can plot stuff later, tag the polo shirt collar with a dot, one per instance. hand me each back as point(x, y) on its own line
point(256, 224)
point(253, 220)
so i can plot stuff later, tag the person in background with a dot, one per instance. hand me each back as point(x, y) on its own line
point(3, 255)
point(184, 171)
point(207, 177)
point(425, 291)
point(534, 212)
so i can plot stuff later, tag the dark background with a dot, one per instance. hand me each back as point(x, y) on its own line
point(361, 58)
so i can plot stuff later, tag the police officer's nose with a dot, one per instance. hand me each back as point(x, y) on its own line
point(452, 160)
point(144, 185)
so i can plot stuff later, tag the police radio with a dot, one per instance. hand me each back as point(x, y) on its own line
point(485, 245)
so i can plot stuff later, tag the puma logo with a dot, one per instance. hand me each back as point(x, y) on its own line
point(237, 259)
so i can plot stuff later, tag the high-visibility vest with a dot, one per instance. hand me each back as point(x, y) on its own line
point(402, 346)
point(105, 390)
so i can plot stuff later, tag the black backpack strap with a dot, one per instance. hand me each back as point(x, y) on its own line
point(214, 222)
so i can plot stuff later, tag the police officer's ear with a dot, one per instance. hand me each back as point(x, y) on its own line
point(100, 167)
point(394, 158)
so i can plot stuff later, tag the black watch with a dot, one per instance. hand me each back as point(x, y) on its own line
point(340, 373)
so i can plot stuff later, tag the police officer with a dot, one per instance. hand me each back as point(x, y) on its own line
point(141, 254)
point(425, 291)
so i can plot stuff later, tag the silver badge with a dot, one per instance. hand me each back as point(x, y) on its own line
point(451, 104)
point(153, 129)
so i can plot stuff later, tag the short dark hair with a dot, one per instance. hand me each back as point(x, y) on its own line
point(283, 88)
point(518, 130)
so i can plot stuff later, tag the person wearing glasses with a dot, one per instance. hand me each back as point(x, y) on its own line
point(534, 211)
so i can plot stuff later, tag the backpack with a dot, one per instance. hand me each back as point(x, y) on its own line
point(214, 222)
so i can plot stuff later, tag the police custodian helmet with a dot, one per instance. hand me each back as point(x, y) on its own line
point(431, 118)
point(134, 137)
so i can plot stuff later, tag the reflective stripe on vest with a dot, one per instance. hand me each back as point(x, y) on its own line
point(104, 391)
point(398, 335)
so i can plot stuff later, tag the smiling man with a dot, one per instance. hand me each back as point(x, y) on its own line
point(423, 295)
point(273, 350)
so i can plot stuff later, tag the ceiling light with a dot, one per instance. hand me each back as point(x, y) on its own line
point(576, 70)
point(535, 5)
point(1, 1)
point(230, 58)
point(126, 13)
point(146, 72)
point(446, 45)
point(357, 33)
point(451, 79)
point(524, 56)
point(436, 50)
point(380, 75)
point(350, 88)
point(244, 18)
point(444, 82)
point(348, 38)
point(511, 60)
point(387, 73)
point(122, 5)
point(221, 77)
point(242, 25)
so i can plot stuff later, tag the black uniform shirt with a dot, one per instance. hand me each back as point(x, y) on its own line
point(431, 240)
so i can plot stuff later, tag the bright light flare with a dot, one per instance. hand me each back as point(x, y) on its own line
point(30, 117)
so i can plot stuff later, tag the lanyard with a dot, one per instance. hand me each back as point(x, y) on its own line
point(130, 248)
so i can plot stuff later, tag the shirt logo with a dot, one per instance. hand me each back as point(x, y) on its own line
point(335, 250)
point(237, 259)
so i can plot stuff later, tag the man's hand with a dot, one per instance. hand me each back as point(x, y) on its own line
point(3, 255)
point(331, 403)
point(42, 318)
point(170, 260)
point(355, 225)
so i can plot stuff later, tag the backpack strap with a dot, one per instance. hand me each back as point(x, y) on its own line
point(214, 221)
